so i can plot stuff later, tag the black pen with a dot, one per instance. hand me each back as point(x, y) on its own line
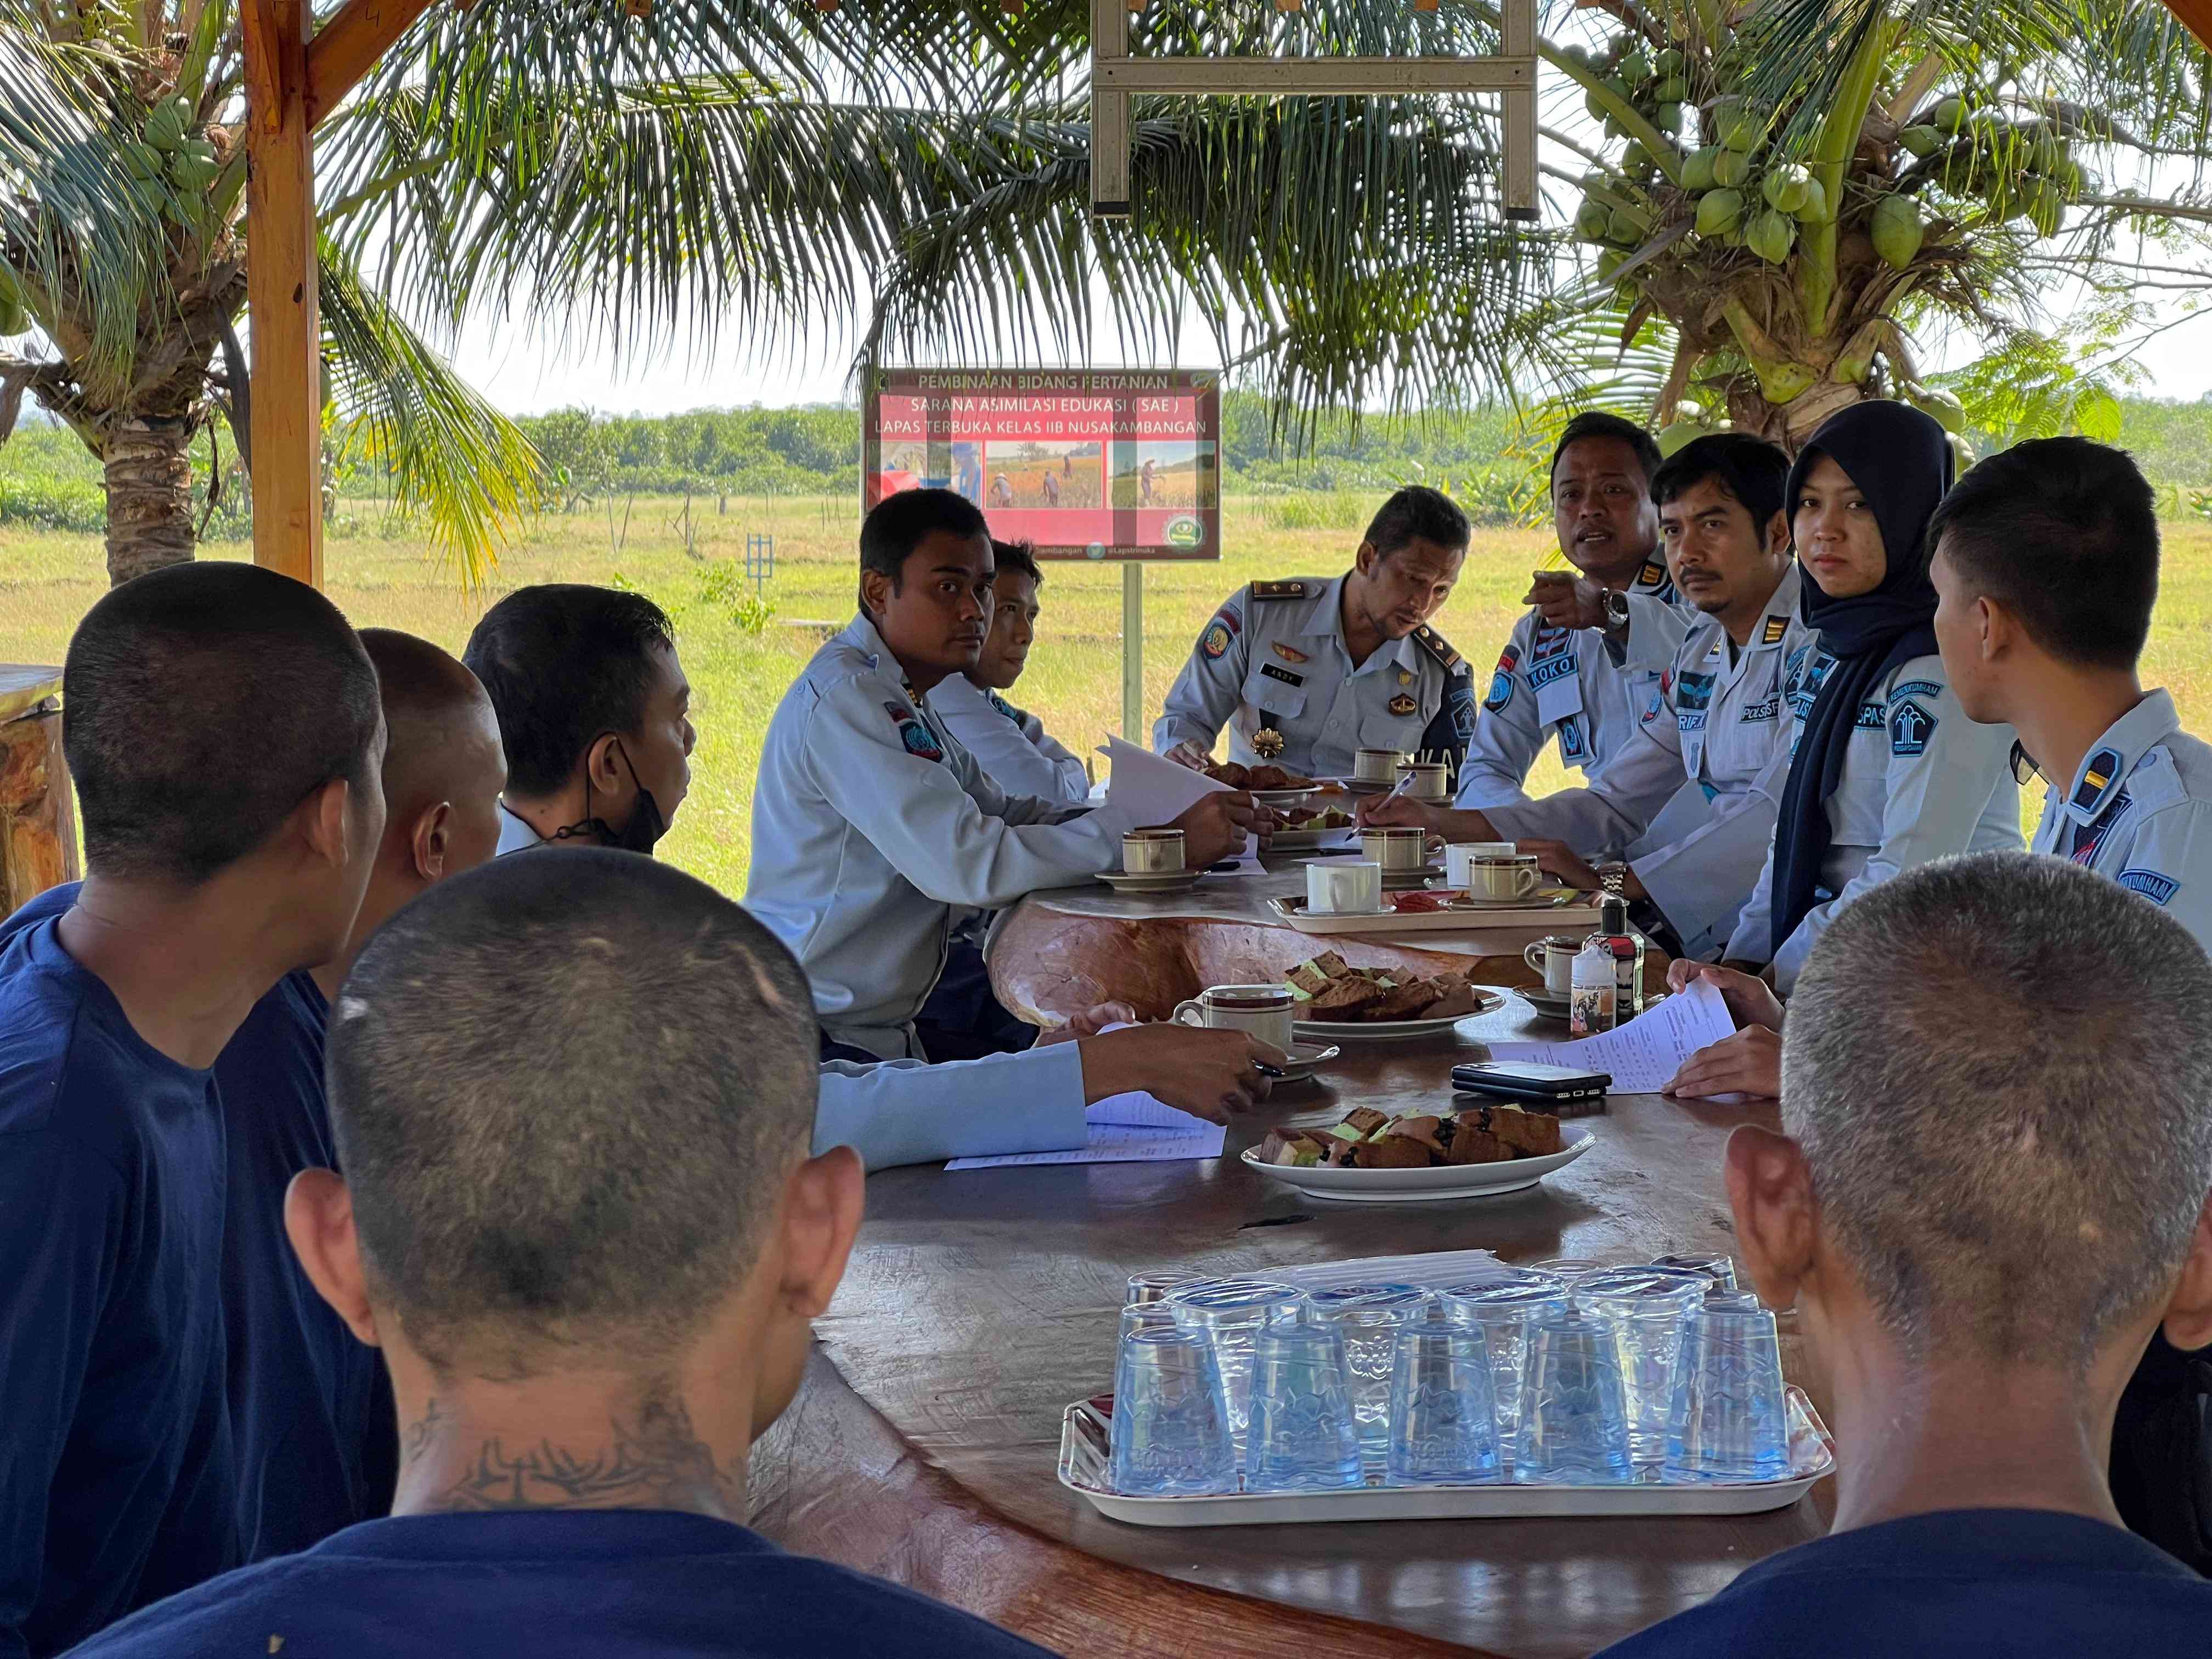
point(1266, 1070)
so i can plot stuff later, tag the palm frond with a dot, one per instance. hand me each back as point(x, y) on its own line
point(450, 455)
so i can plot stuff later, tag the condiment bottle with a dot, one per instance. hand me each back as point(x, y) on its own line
point(1624, 947)
point(1595, 998)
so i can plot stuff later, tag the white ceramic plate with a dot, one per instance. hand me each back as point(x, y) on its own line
point(1303, 840)
point(1285, 797)
point(1152, 881)
point(1331, 1030)
point(1424, 1186)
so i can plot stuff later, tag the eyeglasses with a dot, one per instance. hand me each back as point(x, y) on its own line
point(2025, 771)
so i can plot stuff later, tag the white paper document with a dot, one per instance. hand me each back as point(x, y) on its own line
point(1643, 1054)
point(1136, 1128)
point(1151, 789)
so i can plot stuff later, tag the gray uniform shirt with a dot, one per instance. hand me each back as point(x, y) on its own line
point(874, 831)
point(1920, 781)
point(1693, 792)
point(1274, 659)
point(1011, 744)
point(1567, 683)
point(2139, 810)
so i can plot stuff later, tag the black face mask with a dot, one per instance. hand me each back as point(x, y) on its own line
point(646, 826)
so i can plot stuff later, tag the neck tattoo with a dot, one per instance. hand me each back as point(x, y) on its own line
point(651, 1461)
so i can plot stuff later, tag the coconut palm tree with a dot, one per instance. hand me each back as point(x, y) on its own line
point(663, 176)
point(1779, 199)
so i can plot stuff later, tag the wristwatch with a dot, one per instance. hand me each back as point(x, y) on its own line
point(1616, 610)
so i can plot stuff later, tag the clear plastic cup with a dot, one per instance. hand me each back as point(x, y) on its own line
point(1714, 1266)
point(1574, 1417)
point(1369, 1318)
point(1444, 1426)
point(1570, 1266)
point(1230, 1313)
point(1730, 1417)
point(1154, 1284)
point(1169, 1435)
point(1643, 1306)
point(1302, 1437)
point(1504, 1310)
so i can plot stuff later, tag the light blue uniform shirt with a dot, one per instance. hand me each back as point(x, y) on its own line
point(1011, 744)
point(874, 832)
point(1567, 683)
point(1274, 659)
point(2139, 810)
point(1693, 791)
point(902, 1111)
point(1920, 781)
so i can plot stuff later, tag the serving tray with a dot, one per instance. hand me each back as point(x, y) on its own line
point(1084, 1465)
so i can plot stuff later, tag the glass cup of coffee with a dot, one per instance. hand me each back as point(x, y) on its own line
point(1397, 849)
point(1262, 1010)
point(1553, 957)
point(1512, 877)
point(1376, 765)
point(1152, 852)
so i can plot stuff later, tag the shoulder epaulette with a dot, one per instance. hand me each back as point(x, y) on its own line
point(1438, 646)
point(1291, 590)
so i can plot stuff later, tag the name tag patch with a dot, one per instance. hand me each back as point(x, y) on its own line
point(2152, 886)
point(1282, 674)
point(1767, 710)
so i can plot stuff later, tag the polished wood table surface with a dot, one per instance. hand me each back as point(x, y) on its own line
point(980, 1303)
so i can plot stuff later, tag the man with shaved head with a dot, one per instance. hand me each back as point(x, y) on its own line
point(595, 1293)
point(310, 1406)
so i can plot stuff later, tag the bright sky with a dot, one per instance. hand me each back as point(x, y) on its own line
point(525, 377)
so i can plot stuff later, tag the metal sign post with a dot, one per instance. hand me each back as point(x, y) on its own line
point(1133, 652)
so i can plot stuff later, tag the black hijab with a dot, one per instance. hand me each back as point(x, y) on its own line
point(1900, 459)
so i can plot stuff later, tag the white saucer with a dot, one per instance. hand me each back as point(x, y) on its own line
point(1151, 881)
point(1544, 1002)
point(1306, 1058)
point(1402, 881)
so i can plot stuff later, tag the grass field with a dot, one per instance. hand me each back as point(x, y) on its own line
point(47, 579)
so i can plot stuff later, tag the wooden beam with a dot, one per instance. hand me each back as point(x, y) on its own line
point(2196, 13)
point(280, 287)
point(1520, 113)
point(347, 47)
point(1110, 113)
point(1311, 77)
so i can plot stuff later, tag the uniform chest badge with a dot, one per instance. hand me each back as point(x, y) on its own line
point(1405, 677)
point(1288, 654)
point(1266, 743)
point(1401, 705)
point(917, 737)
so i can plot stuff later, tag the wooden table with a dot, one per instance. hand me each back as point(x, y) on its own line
point(38, 817)
point(978, 1304)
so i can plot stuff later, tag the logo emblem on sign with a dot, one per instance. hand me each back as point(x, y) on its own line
point(1401, 705)
point(1288, 654)
point(1186, 532)
point(1215, 643)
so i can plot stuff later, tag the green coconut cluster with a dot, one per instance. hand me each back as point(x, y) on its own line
point(172, 150)
point(2021, 169)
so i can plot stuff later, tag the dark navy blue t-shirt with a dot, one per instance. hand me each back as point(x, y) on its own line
point(2019, 1583)
point(553, 1584)
point(311, 1416)
point(115, 1464)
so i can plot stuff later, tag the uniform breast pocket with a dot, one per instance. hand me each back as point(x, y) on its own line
point(1862, 795)
point(1278, 698)
point(1385, 730)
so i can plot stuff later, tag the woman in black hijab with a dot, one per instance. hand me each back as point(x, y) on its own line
point(1888, 771)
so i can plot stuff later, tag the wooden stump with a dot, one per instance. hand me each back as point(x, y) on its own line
point(38, 815)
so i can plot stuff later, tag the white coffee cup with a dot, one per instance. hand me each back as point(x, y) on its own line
point(1395, 848)
point(1457, 854)
point(1262, 1010)
point(1376, 765)
point(1349, 889)
point(1509, 877)
point(1152, 852)
point(1429, 781)
point(1554, 958)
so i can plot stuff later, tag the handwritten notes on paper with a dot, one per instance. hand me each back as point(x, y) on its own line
point(1643, 1054)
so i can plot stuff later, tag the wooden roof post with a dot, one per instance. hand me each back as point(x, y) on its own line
point(281, 278)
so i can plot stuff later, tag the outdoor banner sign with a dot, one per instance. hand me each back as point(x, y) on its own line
point(1087, 464)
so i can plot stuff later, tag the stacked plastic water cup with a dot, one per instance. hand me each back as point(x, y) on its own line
point(1657, 1373)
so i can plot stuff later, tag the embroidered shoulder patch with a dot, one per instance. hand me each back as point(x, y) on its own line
point(1459, 700)
point(1916, 689)
point(914, 734)
point(1910, 726)
point(1574, 748)
point(1501, 682)
point(1216, 639)
point(1003, 707)
point(2152, 886)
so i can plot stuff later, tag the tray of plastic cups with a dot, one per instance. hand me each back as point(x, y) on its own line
point(1545, 1433)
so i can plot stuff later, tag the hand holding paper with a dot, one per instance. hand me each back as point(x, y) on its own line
point(1644, 1055)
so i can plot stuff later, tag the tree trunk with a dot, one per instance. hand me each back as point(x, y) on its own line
point(150, 495)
